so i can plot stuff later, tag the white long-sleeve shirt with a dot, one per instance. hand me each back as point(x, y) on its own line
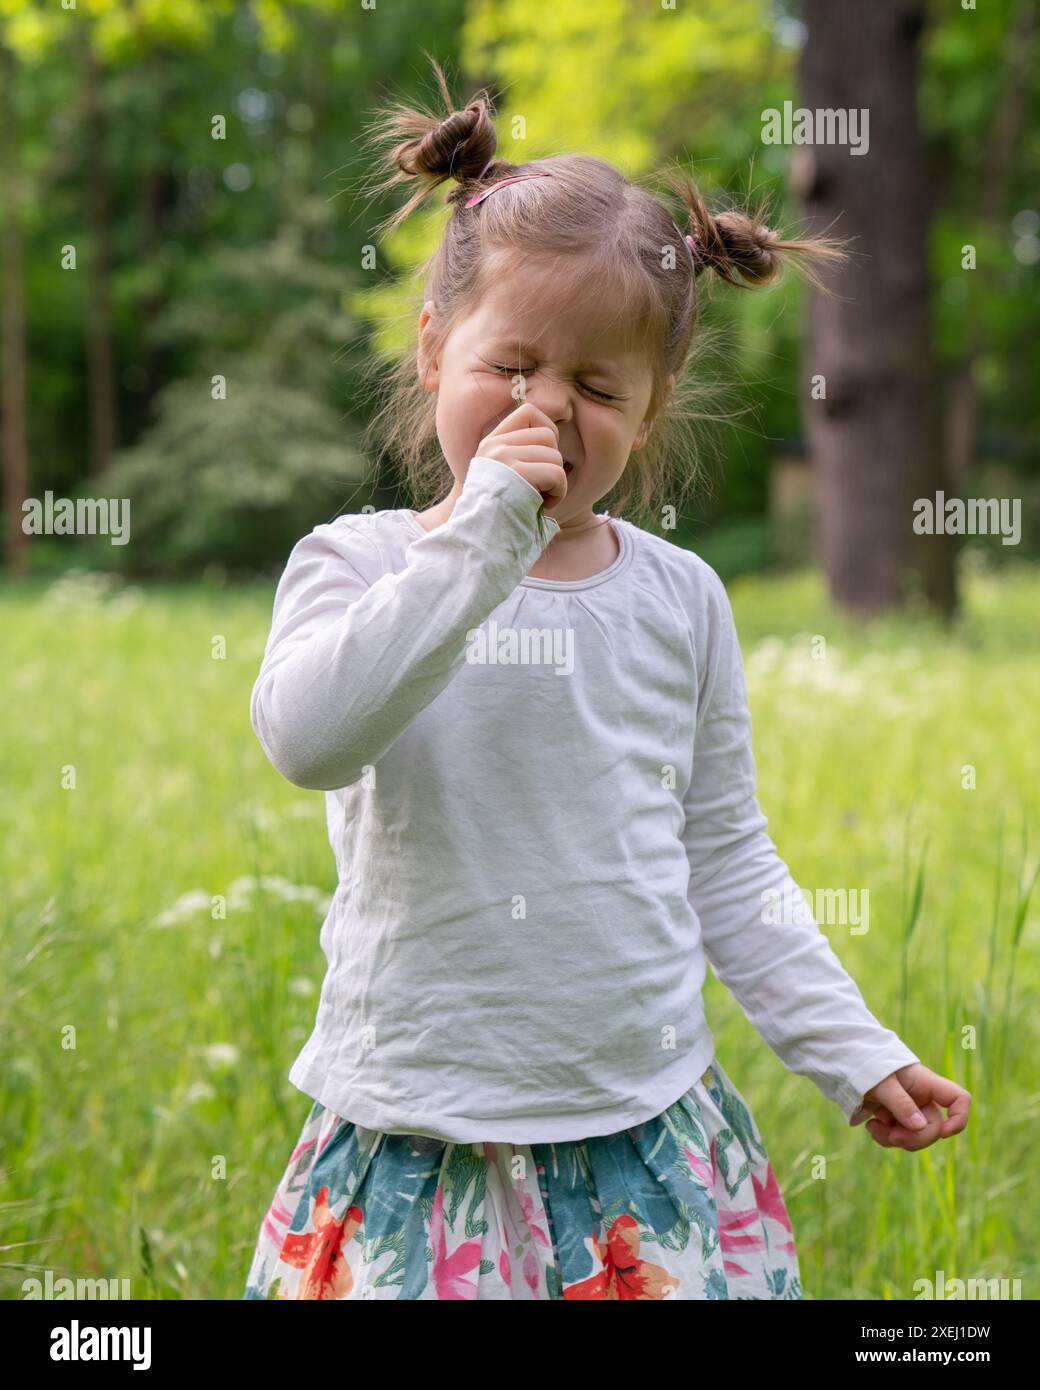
point(541, 799)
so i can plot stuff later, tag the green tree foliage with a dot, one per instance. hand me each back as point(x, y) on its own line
point(250, 452)
point(252, 258)
point(229, 132)
point(970, 61)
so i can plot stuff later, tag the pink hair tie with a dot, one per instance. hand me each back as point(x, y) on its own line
point(690, 242)
point(517, 178)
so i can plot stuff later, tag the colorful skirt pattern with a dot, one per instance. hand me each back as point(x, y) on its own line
point(685, 1205)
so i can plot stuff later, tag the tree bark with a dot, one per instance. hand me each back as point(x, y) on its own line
point(875, 439)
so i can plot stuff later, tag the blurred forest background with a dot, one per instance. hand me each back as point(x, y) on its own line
point(191, 299)
point(179, 206)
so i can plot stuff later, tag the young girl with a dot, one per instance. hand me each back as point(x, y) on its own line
point(531, 726)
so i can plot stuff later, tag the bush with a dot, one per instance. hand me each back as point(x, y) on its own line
point(232, 482)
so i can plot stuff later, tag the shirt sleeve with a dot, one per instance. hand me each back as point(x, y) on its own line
point(349, 664)
point(784, 975)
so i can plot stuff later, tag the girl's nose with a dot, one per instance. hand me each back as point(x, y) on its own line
point(551, 394)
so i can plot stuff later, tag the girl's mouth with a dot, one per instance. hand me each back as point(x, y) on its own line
point(567, 466)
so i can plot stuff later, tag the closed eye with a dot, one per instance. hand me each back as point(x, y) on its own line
point(515, 371)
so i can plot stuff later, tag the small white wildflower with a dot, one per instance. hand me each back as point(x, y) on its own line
point(221, 1054)
point(199, 1090)
point(187, 905)
point(80, 588)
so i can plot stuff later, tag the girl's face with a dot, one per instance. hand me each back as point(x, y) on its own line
point(567, 357)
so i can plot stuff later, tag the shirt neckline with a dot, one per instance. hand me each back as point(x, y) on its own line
point(590, 581)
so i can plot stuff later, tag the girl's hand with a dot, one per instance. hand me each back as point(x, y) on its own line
point(888, 1107)
point(526, 440)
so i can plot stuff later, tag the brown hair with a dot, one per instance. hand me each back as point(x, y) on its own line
point(637, 251)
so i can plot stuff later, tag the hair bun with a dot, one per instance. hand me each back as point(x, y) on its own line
point(426, 145)
point(459, 146)
point(749, 247)
point(733, 244)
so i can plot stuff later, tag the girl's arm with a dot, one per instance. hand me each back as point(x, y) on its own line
point(786, 977)
point(348, 663)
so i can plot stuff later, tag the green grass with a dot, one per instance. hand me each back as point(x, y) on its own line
point(146, 1115)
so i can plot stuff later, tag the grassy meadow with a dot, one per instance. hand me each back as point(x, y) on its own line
point(146, 1115)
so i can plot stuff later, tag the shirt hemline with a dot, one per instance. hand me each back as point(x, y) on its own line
point(540, 1131)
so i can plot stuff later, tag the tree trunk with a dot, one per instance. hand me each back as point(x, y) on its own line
point(875, 439)
point(13, 410)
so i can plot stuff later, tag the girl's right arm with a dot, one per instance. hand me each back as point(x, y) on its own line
point(349, 664)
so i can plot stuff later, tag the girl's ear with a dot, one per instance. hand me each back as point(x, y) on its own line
point(428, 366)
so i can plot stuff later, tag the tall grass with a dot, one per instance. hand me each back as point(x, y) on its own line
point(146, 1114)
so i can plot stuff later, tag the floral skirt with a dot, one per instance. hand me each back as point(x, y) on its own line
point(685, 1205)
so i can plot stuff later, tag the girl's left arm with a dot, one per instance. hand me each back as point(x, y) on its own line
point(785, 975)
